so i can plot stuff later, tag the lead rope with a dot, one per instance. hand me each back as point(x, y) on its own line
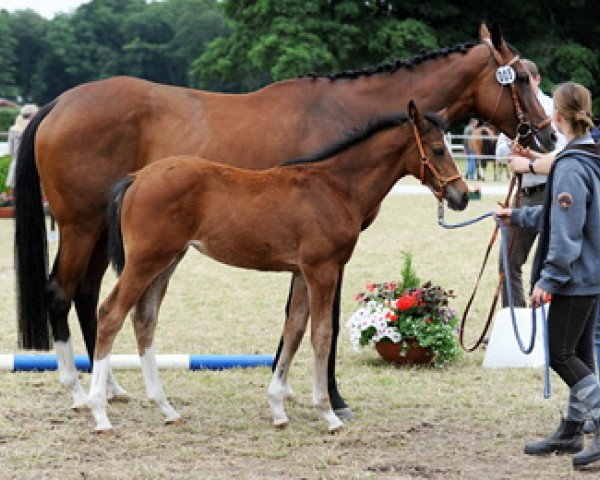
point(505, 276)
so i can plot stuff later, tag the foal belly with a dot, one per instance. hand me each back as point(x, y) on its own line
point(246, 255)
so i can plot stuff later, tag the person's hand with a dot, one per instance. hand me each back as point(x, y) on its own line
point(504, 215)
point(538, 296)
point(520, 151)
point(518, 164)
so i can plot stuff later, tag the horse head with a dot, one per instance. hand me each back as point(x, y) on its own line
point(506, 97)
point(435, 166)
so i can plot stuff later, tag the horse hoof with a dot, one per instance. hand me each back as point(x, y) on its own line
point(345, 413)
point(80, 408)
point(175, 421)
point(104, 431)
point(336, 430)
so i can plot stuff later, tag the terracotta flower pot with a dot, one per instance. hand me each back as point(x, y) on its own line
point(7, 212)
point(415, 355)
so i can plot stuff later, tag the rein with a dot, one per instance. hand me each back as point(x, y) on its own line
point(505, 247)
point(426, 163)
point(506, 76)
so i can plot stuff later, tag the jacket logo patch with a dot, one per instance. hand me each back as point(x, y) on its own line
point(565, 200)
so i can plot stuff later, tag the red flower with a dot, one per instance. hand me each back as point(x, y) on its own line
point(392, 317)
point(370, 287)
point(427, 320)
point(408, 300)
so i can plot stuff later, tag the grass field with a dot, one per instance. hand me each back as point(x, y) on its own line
point(462, 422)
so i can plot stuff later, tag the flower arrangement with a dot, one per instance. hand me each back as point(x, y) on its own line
point(405, 312)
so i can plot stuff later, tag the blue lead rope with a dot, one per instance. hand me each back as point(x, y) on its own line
point(511, 303)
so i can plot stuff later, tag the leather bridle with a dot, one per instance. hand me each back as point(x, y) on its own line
point(440, 190)
point(525, 130)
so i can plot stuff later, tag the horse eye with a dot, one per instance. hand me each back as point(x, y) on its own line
point(523, 77)
point(438, 151)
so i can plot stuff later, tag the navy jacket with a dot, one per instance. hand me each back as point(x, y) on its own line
point(567, 260)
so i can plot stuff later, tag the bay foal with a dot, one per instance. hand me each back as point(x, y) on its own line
point(304, 217)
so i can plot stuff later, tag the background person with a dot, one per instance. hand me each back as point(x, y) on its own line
point(566, 267)
point(467, 132)
point(533, 185)
point(14, 139)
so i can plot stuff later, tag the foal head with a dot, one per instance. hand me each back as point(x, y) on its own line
point(432, 162)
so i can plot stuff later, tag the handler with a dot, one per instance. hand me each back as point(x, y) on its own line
point(565, 266)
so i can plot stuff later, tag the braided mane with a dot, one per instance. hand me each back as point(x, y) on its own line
point(392, 67)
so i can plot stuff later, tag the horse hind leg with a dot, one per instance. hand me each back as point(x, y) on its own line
point(145, 318)
point(295, 326)
point(58, 309)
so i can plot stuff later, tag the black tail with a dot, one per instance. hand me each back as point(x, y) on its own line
point(31, 247)
point(487, 147)
point(116, 253)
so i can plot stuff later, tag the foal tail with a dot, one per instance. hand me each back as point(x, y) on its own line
point(116, 252)
point(31, 244)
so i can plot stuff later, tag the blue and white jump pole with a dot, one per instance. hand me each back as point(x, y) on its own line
point(43, 362)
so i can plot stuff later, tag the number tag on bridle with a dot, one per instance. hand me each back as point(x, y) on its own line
point(505, 75)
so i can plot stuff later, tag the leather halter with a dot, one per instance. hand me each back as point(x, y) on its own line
point(524, 128)
point(440, 191)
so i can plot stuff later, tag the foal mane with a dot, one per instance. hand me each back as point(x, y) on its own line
point(392, 67)
point(361, 134)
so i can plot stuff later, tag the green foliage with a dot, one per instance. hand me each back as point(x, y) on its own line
point(240, 45)
point(4, 166)
point(7, 118)
point(408, 275)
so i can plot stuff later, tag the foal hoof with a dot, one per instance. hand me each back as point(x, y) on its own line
point(175, 421)
point(107, 432)
point(336, 430)
point(120, 398)
point(281, 424)
point(80, 408)
point(345, 413)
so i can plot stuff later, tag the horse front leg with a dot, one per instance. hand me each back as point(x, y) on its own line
point(322, 283)
point(145, 317)
point(294, 328)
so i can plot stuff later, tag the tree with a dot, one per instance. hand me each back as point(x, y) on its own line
point(273, 40)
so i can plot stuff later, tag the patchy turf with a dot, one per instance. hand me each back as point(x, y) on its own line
point(463, 422)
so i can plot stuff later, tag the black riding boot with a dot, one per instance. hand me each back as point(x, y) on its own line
point(591, 453)
point(568, 438)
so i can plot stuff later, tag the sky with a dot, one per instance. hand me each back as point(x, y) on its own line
point(46, 8)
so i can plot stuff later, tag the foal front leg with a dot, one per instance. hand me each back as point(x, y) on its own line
point(322, 283)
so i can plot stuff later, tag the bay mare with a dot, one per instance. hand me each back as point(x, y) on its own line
point(96, 133)
point(304, 217)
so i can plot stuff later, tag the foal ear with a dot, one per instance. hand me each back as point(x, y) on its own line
point(443, 114)
point(413, 111)
point(483, 31)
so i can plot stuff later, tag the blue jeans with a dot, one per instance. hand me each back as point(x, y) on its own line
point(470, 163)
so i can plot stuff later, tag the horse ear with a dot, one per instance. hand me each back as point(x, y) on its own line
point(483, 31)
point(497, 39)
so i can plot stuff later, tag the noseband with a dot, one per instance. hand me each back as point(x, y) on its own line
point(506, 76)
point(440, 191)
